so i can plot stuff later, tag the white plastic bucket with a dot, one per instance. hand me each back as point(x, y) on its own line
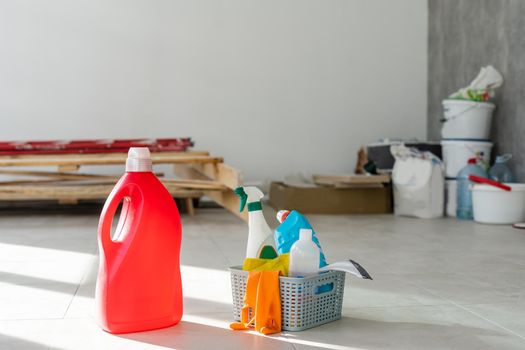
point(495, 206)
point(466, 119)
point(456, 153)
point(451, 186)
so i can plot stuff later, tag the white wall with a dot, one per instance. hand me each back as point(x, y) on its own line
point(275, 86)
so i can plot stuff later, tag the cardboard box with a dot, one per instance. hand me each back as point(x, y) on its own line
point(331, 200)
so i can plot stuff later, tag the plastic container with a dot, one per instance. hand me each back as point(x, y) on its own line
point(139, 284)
point(287, 233)
point(464, 210)
point(456, 153)
point(304, 255)
point(451, 188)
point(500, 171)
point(495, 206)
point(466, 119)
point(305, 302)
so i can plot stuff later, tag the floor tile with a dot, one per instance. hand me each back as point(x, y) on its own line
point(438, 284)
point(508, 315)
point(419, 327)
point(386, 290)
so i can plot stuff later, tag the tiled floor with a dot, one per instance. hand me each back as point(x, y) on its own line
point(439, 284)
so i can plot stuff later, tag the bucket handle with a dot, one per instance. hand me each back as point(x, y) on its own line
point(482, 180)
point(444, 119)
point(132, 195)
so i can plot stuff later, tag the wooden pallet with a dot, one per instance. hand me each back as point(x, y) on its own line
point(205, 175)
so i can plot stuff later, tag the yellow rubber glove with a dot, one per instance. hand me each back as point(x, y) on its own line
point(281, 263)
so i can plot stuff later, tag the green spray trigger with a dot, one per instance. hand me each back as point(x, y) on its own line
point(242, 195)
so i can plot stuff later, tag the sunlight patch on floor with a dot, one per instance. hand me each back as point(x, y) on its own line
point(16, 252)
point(206, 284)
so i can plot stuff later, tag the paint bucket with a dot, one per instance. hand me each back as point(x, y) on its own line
point(456, 153)
point(495, 206)
point(466, 119)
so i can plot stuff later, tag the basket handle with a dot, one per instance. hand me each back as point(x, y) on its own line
point(324, 288)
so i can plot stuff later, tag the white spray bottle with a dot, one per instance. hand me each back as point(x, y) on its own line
point(261, 243)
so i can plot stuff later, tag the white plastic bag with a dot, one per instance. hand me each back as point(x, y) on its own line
point(482, 88)
point(419, 184)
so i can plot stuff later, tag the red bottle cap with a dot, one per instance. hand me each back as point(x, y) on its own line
point(281, 215)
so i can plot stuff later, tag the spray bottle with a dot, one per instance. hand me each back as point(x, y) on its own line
point(260, 237)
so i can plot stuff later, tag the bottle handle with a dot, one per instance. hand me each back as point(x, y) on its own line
point(108, 212)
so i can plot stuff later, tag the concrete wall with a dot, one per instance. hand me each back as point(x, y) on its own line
point(465, 35)
point(275, 86)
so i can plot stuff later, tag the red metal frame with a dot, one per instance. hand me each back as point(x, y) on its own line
point(93, 146)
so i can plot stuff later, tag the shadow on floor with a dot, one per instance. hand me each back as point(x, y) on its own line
point(47, 208)
point(53, 226)
point(83, 207)
point(345, 334)
point(37, 282)
point(189, 335)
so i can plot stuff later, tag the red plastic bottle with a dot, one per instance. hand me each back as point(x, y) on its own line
point(139, 286)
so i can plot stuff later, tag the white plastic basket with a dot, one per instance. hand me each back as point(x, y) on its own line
point(305, 302)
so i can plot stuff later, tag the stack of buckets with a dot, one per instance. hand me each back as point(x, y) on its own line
point(465, 134)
